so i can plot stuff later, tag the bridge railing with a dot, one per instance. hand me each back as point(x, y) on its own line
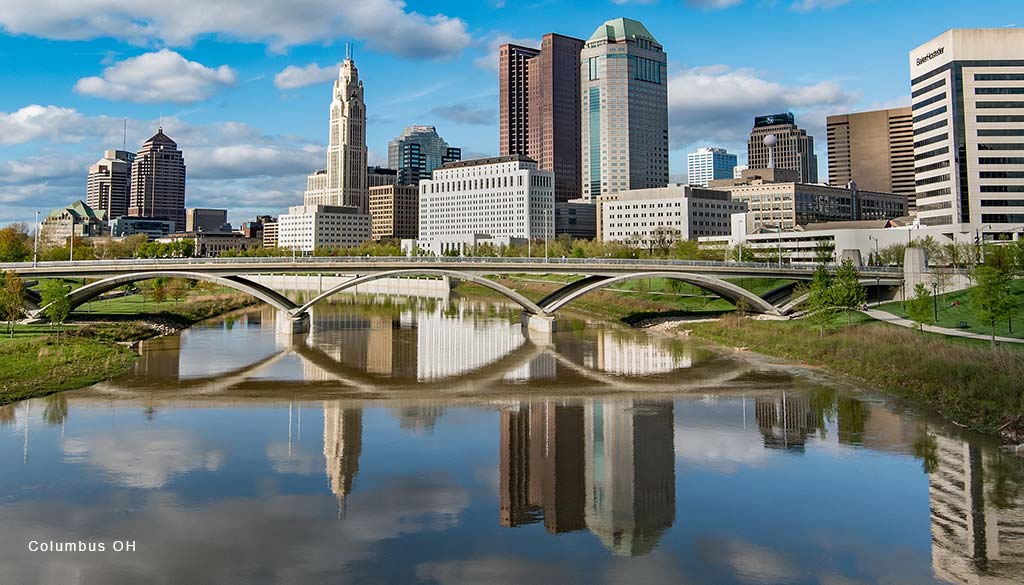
point(454, 260)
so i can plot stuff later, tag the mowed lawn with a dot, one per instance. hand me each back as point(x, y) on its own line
point(952, 316)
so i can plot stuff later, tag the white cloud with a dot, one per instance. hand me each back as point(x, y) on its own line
point(36, 122)
point(292, 77)
point(489, 60)
point(163, 76)
point(383, 25)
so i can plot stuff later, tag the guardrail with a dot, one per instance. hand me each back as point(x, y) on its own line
point(498, 261)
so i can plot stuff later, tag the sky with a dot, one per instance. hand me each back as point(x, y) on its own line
point(243, 86)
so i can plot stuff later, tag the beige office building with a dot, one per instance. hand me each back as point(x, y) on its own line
point(776, 197)
point(873, 149)
point(395, 210)
point(794, 151)
point(108, 185)
point(667, 214)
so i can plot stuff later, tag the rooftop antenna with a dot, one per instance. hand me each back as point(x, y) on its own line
point(124, 135)
point(348, 51)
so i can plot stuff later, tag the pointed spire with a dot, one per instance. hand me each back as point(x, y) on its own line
point(348, 51)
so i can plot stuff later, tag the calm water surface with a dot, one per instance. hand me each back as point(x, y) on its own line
point(429, 442)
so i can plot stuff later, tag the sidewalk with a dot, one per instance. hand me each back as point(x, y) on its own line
point(893, 319)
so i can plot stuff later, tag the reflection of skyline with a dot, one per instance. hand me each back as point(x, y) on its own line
point(608, 467)
point(785, 420)
point(973, 540)
point(629, 355)
point(343, 444)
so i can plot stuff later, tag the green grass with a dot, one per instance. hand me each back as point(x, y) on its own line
point(38, 366)
point(952, 316)
point(969, 383)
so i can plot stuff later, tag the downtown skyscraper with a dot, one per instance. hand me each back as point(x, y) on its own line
point(158, 181)
point(343, 182)
point(624, 110)
point(794, 151)
point(417, 151)
point(539, 92)
point(873, 149)
point(108, 185)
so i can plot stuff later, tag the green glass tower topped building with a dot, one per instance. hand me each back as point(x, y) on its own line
point(624, 109)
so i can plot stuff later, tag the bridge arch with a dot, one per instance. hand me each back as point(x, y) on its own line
point(527, 305)
point(263, 293)
point(728, 291)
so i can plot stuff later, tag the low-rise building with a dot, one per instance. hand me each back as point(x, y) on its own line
point(377, 176)
point(777, 197)
point(500, 196)
point(576, 218)
point(213, 244)
point(206, 220)
point(78, 219)
point(677, 211)
point(308, 227)
point(460, 245)
point(395, 210)
point(151, 227)
point(254, 229)
point(851, 239)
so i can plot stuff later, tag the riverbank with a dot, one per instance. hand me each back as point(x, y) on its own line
point(970, 384)
point(95, 345)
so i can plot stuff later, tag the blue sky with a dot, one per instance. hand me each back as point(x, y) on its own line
point(244, 85)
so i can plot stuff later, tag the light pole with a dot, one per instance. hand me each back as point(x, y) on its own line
point(71, 252)
point(547, 232)
point(935, 302)
point(870, 237)
point(35, 243)
point(979, 240)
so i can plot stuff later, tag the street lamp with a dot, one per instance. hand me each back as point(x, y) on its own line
point(935, 301)
point(35, 243)
point(547, 232)
point(979, 240)
point(870, 237)
point(71, 252)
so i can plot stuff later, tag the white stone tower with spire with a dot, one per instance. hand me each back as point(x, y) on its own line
point(343, 182)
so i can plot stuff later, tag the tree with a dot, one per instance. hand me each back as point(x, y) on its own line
point(177, 289)
point(991, 297)
point(825, 252)
point(919, 308)
point(12, 307)
point(156, 290)
point(57, 305)
point(848, 294)
point(819, 299)
point(15, 243)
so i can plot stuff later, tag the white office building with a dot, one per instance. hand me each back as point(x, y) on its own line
point(676, 212)
point(308, 227)
point(967, 100)
point(505, 196)
point(707, 164)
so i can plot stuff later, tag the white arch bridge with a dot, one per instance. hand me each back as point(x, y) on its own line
point(596, 273)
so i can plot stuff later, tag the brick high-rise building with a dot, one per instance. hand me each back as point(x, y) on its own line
point(540, 112)
point(158, 181)
point(873, 149)
point(108, 185)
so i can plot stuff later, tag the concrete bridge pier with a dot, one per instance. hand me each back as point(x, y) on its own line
point(292, 324)
point(538, 322)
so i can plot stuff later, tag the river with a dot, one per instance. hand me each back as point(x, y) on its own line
point(423, 442)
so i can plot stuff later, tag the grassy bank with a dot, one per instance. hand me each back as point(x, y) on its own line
point(967, 382)
point(36, 363)
point(41, 365)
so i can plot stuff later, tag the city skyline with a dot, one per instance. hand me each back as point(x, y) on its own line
point(64, 111)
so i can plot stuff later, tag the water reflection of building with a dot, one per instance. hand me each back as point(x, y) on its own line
point(786, 420)
point(343, 443)
point(973, 540)
point(541, 466)
point(460, 339)
point(160, 358)
point(605, 466)
point(378, 343)
point(618, 353)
